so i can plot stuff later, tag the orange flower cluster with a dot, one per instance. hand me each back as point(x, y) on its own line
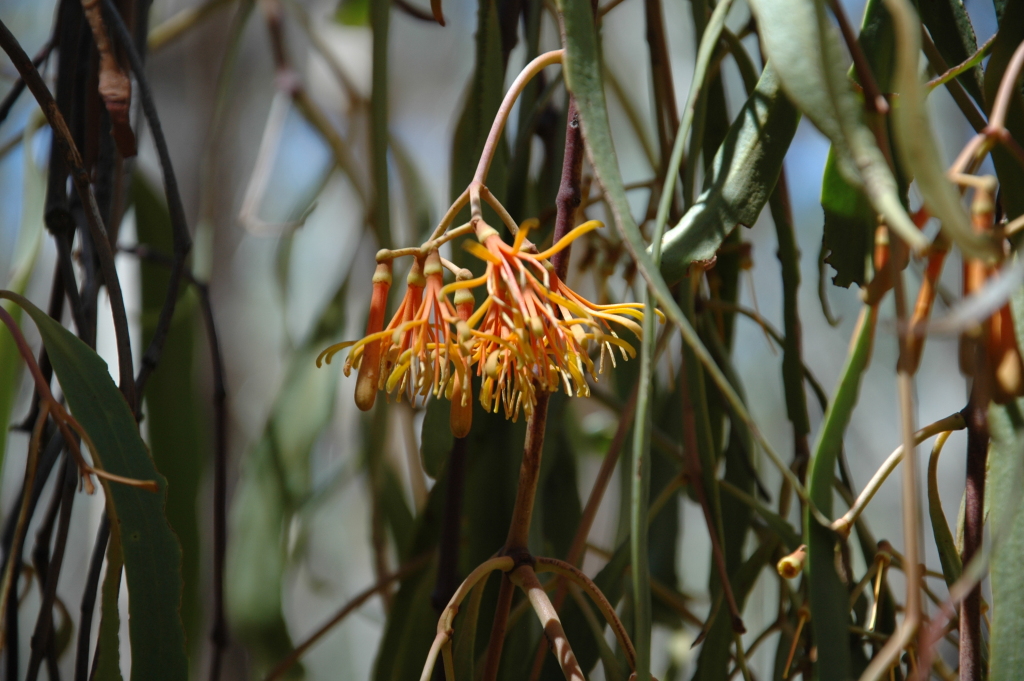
point(532, 332)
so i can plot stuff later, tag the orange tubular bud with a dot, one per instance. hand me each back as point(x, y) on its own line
point(1004, 358)
point(461, 419)
point(923, 310)
point(369, 367)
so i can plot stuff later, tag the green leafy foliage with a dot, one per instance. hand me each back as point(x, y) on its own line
point(743, 174)
point(152, 554)
point(178, 436)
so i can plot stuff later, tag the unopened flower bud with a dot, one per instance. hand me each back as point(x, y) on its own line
point(369, 367)
point(792, 565)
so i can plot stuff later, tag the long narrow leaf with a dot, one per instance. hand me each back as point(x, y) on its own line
point(152, 555)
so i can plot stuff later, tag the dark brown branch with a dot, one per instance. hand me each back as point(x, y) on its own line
point(956, 90)
point(874, 101)
point(971, 663)
point(63, 138)
point(92, 581)
point(179, 226)
point(49, 568)
point(19, 85)
point(569, 197)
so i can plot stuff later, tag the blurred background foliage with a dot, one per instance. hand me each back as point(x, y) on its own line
point(306, 135)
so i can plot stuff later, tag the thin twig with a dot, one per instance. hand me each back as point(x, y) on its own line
point(953, 86)
point(355, 602)
point(80, 177)
point(99, 551)
point(42, 636)
point(19, 86)
point(874, 101)
point(950, 423)
point(963, 66)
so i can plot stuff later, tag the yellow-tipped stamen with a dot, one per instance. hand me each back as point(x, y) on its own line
point(567, 240)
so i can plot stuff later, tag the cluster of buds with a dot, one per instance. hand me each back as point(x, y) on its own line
point(531, 333)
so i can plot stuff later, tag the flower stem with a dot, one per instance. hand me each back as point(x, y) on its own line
point(527, 74)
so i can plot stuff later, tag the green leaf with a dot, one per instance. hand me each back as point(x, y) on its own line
point(802, 44)
point(850, 223)
point(951, 30)
point(949, 557)
point(583, 78)
point(353, 13)
point(436, 437)
point(828, 598)
point(152, 555)
point(1006, 424)
point(108, 653)
point(743, 174)
point(917, 147)
point(175, 406)
point(255, 561)
point(1011, 175)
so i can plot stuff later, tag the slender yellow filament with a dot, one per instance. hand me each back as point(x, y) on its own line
point(565, 241)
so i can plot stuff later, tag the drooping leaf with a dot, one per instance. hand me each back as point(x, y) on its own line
point(583, 78)
point(1006, 424)
point(152, 555)
point(949, 557)
point(743, 174)
point(1002, 495)
point(849, 230)
point(850, 221)
point(917, 148)
point(807, 52)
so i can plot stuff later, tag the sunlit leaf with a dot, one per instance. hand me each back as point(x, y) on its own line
point(807, 51)
point(743, 175)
